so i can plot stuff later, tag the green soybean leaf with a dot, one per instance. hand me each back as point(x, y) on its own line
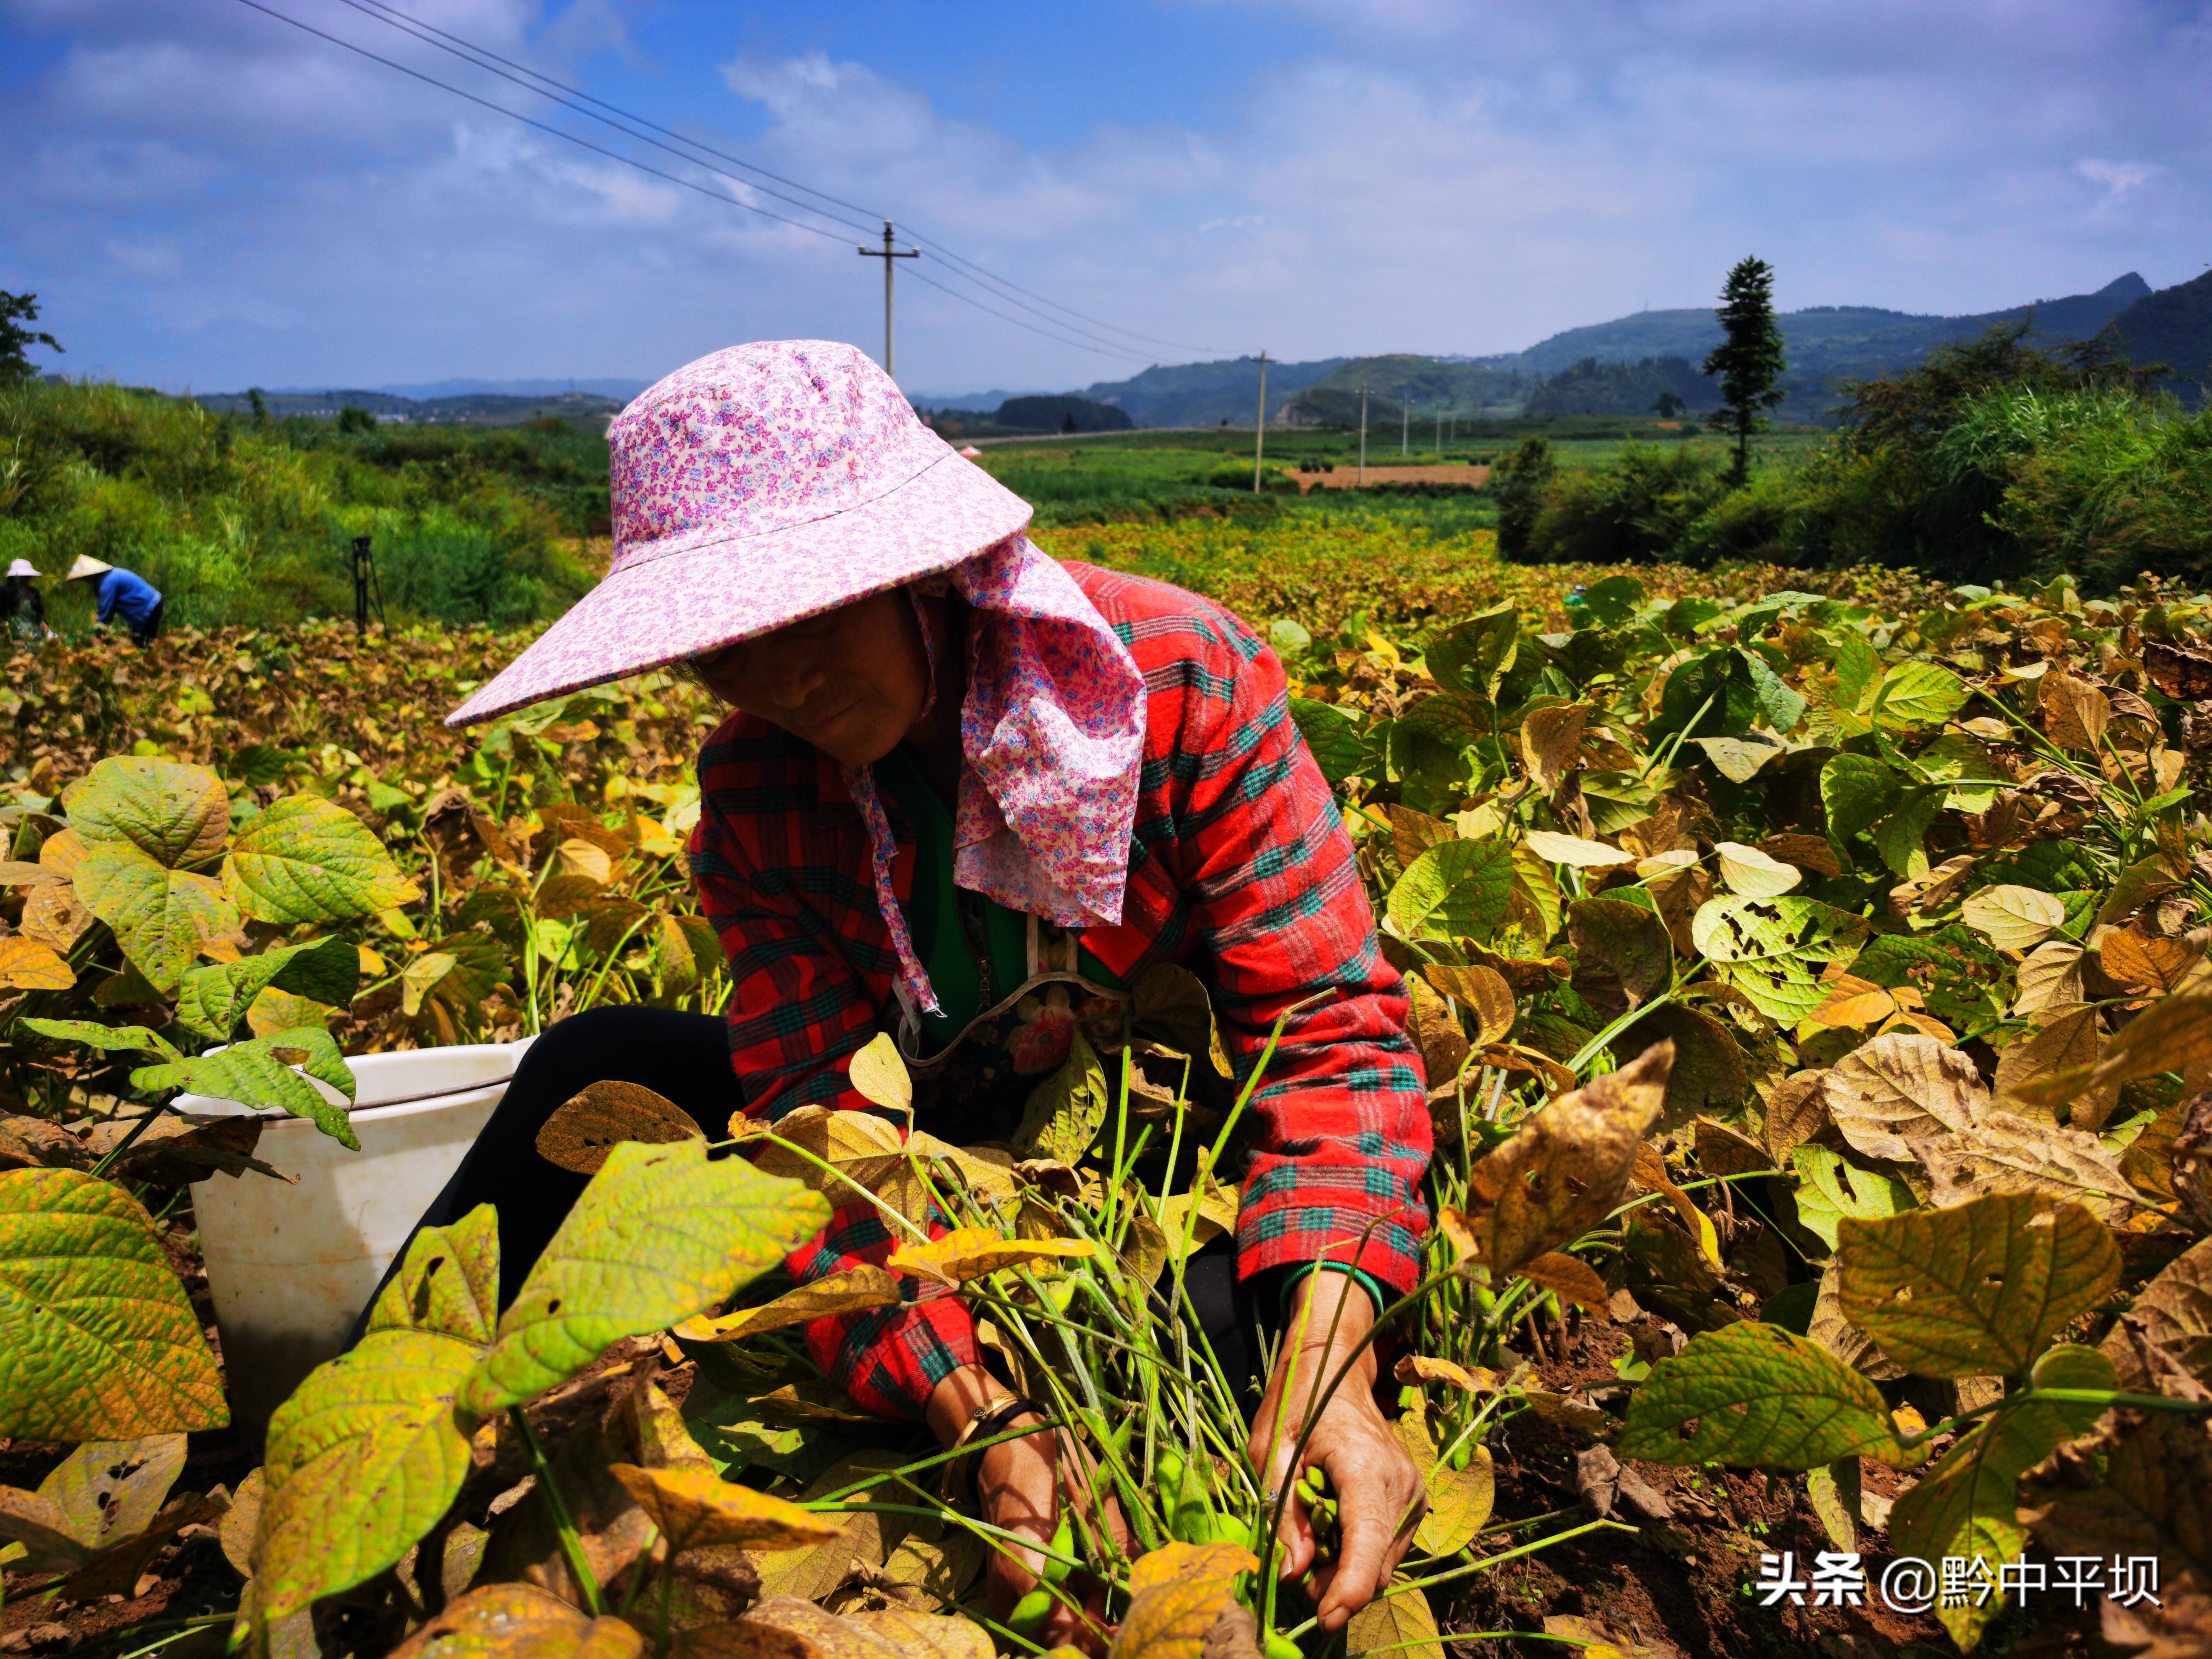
point(213, 1000)
point(362, 1460)
point(1065, 1111)
point(178, 815)
point(1613, 601)
point(1856, 790)
point(1966, 1506)
point(448, 1286)
point(1473, 657)
point(1915, 694)
point(1774, 950)
point(1759, 1396)
point(309, 859)
point(163, 917)
point(659, 1235)
point(1457, 888)
point(1830, 1187)
point(1977, 1289)
point(127, 1039)
point(1901, 836)
point(259, 1074)
point(1622, 955)
point(1782, 707)
point(1332, 735)
point(97, 1339)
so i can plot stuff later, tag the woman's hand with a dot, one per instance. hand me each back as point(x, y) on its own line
point(1023, 1485)
point(1380, 1500)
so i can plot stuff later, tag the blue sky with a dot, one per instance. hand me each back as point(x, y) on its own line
point(203, 195)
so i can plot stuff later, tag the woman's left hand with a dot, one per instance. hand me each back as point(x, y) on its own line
point(1380, 1498)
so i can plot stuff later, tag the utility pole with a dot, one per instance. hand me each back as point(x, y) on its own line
point(1440, 434)
point(887, 255)
point(1404, 416)
point(1363, 435)
point(1260, 432)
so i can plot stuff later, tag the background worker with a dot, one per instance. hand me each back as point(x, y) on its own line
point(122, 593)
point(23, 610)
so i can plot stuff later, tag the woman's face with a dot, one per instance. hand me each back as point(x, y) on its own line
point(851, 682)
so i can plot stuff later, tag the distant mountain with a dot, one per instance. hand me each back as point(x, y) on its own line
point(1208, 394)
point(1657, 350)
point(974, 403)
point(587, 411)
point(2173, 326)
point(620, 391)
point(1823, 343)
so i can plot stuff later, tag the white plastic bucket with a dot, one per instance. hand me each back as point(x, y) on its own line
point(290, 1267)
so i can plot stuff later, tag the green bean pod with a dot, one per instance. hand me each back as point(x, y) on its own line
point(1057, 1565)
point(1030, 1612)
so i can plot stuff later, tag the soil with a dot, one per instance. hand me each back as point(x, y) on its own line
point(1347, 478)
point(1675, 1589)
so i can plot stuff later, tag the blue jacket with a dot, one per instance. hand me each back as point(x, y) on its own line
point(128, 591)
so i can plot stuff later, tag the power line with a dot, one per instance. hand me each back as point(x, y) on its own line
point(916, 276)
point(501, 109)
point(564, 94)
point(568, 95)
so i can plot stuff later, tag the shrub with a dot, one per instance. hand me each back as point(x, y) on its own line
point(1635, 511)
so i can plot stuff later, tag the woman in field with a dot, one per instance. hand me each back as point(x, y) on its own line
point(968, 795)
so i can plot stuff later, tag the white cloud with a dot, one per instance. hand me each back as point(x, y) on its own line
point(204, 193)
point(2121, 179)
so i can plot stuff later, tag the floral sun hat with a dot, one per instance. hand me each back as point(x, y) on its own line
point(754, 488)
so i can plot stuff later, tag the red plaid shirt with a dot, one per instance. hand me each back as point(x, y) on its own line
point(1240, 869)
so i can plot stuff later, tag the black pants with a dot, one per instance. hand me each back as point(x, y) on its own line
point(147, 632)
point(685, 1058)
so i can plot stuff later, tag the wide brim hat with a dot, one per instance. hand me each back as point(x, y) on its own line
point(22, 568)
point(86, 565)
point(754, 488)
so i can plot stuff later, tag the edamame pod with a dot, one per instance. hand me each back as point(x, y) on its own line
point(1030, 1612)
point(1280, 1646)
point(1057, 1565)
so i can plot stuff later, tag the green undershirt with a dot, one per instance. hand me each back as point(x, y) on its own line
point(963, 937)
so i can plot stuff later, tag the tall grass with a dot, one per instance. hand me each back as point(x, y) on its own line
point(236, 523)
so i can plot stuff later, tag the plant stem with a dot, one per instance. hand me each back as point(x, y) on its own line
point(572, 1544)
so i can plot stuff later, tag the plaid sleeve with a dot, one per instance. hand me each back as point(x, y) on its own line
point(1265, 863)
point(798, 1012)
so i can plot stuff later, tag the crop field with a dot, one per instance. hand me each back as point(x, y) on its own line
point(1810, 974)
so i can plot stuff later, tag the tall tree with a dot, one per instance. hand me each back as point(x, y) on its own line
point(16, 309)
point(1748, 360)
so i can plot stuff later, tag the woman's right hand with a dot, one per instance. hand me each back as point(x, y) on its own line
point(1022, 1485)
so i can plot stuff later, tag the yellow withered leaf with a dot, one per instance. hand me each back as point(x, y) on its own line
point(695, 1507)
point(1170, 1621)
point(1426, 1368)
point(1483, 991)
point(580, 858)
point(878, 1074)
point(1568, 1278)
point(1651, 1171)
point(1173, 1562)
point(968, 1253)
point(1555, 848)
point(27, 964)
point(596, 1119)
point(852, 1292)
point(861, 1148)
point(518, 1621)
point(1565, 1169)
point(1753, 873)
